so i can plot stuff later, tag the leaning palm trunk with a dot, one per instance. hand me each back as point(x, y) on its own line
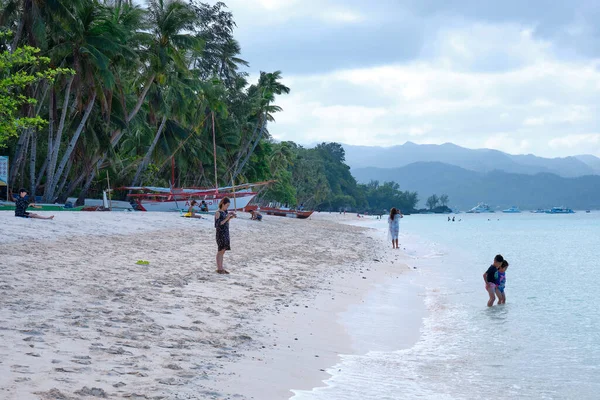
point(32, 160)
point(255, 140)
point(118, 134)
point(20, 152)
point(148, 155)
point(86, 187)
point(54, 145)
point(70, 148)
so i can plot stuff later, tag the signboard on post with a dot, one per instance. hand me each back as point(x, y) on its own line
point(3, 170)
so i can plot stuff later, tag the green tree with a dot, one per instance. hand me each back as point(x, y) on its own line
point(444, 200)
point(432, 201)
point(19, 70)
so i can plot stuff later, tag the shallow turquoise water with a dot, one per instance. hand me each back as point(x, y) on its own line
point(543, 344)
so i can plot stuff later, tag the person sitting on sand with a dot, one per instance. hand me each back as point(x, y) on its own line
point(501, 283)
point(203, 206)
point(394, 226)
point(255, 215)
point(490, 277)
point(191, 212)
point(21, 205)
point(222, 218)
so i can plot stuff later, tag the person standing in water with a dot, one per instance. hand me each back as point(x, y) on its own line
point(222, 218)
point(490, 277)
point(501, 283)
point(394, 226)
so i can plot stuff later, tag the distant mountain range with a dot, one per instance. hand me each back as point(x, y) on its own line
point(479, 160)
point(500, 189)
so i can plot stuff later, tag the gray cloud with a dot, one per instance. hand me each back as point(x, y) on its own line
point(517, 76)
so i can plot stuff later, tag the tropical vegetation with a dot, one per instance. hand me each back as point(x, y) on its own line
point(146, 85)
point(153, 94)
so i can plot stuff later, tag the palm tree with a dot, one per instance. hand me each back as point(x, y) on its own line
point(90, 43)
point(264, 93)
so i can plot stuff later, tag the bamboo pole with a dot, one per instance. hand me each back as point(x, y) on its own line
point(215, 151)
point(233, 188)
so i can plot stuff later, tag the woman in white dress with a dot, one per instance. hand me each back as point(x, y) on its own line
point(394, 226)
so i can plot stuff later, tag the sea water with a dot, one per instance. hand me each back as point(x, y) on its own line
point(543, 344)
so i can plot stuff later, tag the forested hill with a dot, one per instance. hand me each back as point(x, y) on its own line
point(478, 160)
point(497, 188)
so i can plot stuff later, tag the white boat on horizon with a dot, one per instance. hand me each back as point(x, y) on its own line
point(481, 208)
point(560, 210)
point(512, 210)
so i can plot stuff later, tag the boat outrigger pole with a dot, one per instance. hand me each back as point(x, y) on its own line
point(215, 151)
point(173, 170)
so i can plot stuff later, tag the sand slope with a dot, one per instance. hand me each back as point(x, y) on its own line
point(79, 318)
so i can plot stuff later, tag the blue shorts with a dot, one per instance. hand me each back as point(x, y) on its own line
point(501, 289)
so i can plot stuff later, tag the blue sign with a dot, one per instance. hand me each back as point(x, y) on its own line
point(3, 170)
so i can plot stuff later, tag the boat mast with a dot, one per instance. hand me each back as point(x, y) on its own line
point(215, 151)
point(173, 171)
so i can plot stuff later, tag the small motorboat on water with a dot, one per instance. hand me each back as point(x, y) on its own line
point(560, 210)
point(512, 210)
point(480, 209)
point(587, 211)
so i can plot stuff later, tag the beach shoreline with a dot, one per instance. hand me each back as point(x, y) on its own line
point(171, 327)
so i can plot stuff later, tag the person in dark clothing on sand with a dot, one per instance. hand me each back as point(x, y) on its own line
point(222, 218)
point(21, 205)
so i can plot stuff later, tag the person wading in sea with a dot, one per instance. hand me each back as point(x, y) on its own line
point(394, 226)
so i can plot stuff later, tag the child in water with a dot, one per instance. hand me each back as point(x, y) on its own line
point(490, 277)
point(501, 283)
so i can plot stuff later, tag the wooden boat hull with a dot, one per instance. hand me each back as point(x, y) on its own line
point(278, 212)
point(183, 205)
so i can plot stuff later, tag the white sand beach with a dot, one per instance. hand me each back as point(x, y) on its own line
point(79, 317)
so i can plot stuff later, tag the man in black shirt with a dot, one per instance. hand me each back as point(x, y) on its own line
point(21, 205)
point(490, 277)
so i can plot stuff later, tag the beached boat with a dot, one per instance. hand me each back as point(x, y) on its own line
point(280, 212)
point(512, 210)
point(10, 206)
point(103, 204)
point(167, 199)
point(560, 210)
point(481, 208)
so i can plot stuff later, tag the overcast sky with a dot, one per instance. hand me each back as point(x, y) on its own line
point(518, 76)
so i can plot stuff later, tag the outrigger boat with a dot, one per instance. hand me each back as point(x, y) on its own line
point(171, 199)
point(280, 212)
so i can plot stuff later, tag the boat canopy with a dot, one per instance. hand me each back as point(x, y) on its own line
point(193, 190)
